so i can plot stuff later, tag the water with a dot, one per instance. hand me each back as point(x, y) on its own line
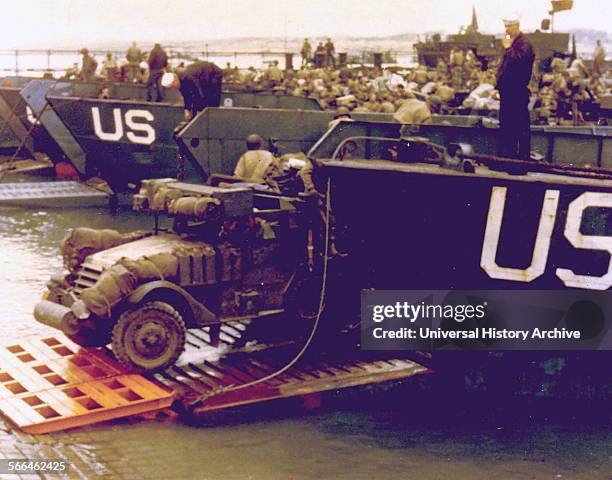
point(370, 433)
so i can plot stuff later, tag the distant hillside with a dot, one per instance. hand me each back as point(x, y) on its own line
point(585, 41)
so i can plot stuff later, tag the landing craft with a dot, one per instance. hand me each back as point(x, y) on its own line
point(129, 141)
point(250, 254)
point(35, 94)
point(546, 43)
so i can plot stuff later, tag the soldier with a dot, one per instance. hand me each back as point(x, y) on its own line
point(133, 57)
point(306, 52)
point(256, 163)
point(274, 75)
point(157, 61)
point(200, 86)
point(513, 78)
point(413, 112)
point(599, 59)
point(88, 67)
point(320, 55)
point(330, 50)
point(110, 68)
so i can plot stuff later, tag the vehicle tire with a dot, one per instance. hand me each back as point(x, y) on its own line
point(98, 336)
point(150, 337)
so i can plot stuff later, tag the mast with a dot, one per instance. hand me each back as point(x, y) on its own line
point(474, 20)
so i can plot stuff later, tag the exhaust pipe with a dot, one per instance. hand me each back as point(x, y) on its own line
point(57, 316)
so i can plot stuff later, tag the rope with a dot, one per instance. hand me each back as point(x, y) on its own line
point(232, 388)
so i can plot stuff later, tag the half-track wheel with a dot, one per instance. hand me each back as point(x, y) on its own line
point(97, 336)
point(149, 337)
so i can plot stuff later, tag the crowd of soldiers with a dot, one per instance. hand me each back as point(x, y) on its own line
point(564, 90)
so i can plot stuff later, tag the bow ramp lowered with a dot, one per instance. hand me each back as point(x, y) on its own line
point(48, 384)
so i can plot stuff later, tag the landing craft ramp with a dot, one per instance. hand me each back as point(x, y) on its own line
point(13, 134)
point(34, 94)
point(51, 195)
point(48, 384)
point(8, 138)
point(30, 133)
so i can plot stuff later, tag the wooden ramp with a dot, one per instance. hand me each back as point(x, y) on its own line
point(49, 384)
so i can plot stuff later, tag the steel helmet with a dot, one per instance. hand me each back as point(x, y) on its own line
point(254, 141)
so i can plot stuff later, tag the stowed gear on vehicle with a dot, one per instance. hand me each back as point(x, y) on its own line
point(224, 261)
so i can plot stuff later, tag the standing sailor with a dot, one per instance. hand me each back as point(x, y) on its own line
point(513, 79)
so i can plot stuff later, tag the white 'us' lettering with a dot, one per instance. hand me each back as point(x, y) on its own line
point(543, 236)
point(137, 131)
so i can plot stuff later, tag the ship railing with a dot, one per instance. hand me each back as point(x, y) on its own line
point(462, 154)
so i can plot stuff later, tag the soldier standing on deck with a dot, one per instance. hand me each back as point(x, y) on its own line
point(599, 59)
point(306, 52)
point(330, 50)
point(134, 57)
point(158, 61)
point(88, 67)
point(513, 79)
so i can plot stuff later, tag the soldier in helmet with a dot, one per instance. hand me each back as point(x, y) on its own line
point(257, 163)
point(133, 57)
point(88, 67)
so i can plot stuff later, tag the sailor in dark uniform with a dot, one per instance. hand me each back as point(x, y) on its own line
point(513, 79)
point(200, 86)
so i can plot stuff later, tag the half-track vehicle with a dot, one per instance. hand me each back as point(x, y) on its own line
point(233, 255)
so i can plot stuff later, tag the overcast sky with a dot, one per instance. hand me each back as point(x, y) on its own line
point(35, 23)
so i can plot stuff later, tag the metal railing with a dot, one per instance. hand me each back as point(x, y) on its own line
point(58, 60)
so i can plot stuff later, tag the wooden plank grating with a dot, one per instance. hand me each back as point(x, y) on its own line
point(49, 384)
